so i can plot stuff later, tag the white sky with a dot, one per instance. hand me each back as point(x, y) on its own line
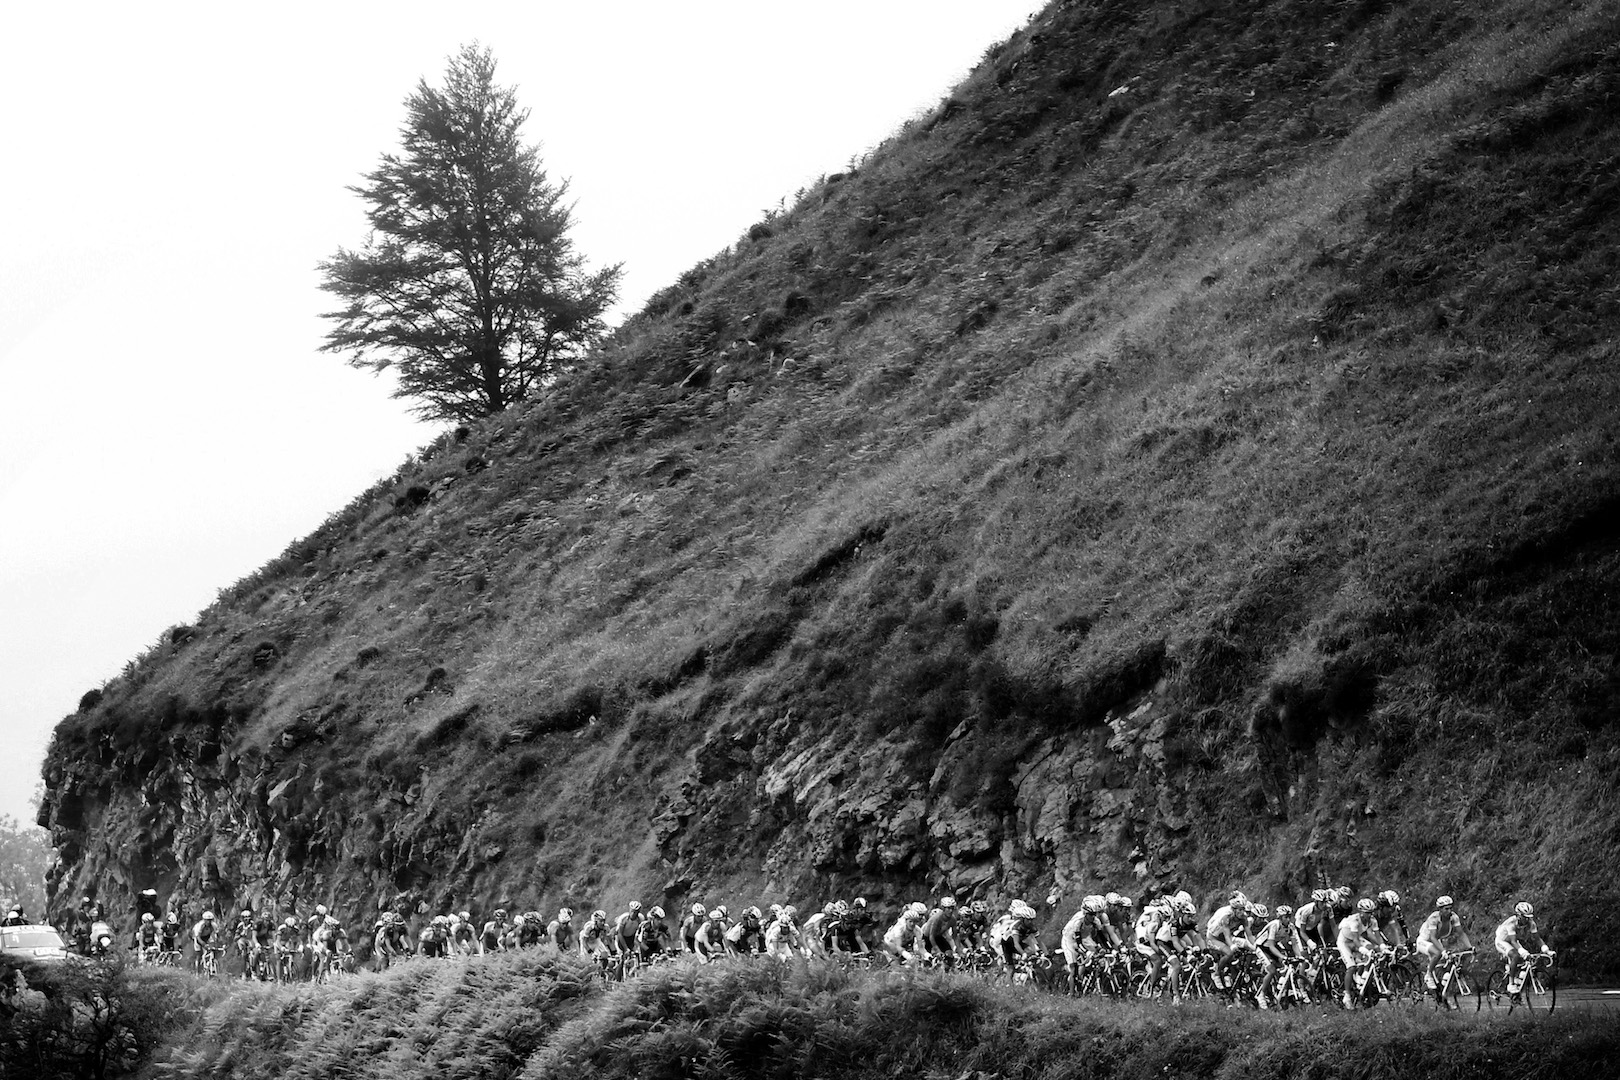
point(172, 174)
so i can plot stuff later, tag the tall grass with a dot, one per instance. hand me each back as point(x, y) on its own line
point(549, 1019)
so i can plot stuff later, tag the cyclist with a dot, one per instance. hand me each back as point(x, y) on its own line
point(782, 938)
point(1013, 937)
point(1226, 933)
point(1177, 936)
point(1121, 915)
point(434, 939)
point(242, 937)
point(146, 939)
point(205, 937)
point(1387, 913)
point(853, 928)
point(1154, 914)
point(560, 931)
point(1087, 931)
point(747, 936)
point(710, 939)
point(1278, 944)
point(594, 939)
point(654, 937)
point(973, 926)
point(531, 931)
point(287, 944)
point(901, 937)
point(312, 926)
point(1441, 933)
point(463, 935)
point(937, 934)
point(835, 928)
point(330, 946)
point(1315, 921)
point(14, 917)
point(622, 943)
point(1358, 939)
point(690, 924)
point(1511, 934)
point(169, 935)
point(493, 938)
point(814, 932)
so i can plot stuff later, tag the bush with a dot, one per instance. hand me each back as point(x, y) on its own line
point(87, 1020)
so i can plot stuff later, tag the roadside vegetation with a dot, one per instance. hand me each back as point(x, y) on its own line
point(532, 1016)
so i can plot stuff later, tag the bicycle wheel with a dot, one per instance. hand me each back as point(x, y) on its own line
point(1540, 990)
point(1495, 994)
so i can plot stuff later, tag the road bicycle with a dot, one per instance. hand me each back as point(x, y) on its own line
point(1538, 988)
point(1452, 982)
point(210, 960)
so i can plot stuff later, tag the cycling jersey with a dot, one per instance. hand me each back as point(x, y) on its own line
point(1440, 928)
point(1010, 937)
point(625, 928)
point(560, 934)
point(1512, 929)
point(937, 933)
point(746, 937)
point(652, 938)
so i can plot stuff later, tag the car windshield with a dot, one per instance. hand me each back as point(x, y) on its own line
point(30, 939)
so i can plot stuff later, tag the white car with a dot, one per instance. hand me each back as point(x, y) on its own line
point(32, 942)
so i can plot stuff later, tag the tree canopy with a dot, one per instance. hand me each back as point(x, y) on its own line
point(468, 287)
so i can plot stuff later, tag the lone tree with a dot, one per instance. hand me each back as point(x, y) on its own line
point(468, 286)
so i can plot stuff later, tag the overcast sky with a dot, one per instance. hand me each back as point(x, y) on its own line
point(173, 174)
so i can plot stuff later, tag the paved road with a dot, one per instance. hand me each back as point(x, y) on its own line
point(1588, 997)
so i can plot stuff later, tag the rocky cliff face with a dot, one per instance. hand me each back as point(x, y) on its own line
point(1186, 458)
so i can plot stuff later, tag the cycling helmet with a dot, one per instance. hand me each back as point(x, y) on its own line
point(719, 912)
point(656, 913)
point(1283, 911)
point(947, 902)
point(916, 909)
point(1259, 911)
point(753, 913)
point(1366, 905)
point(790, 912)
point(331, 921)
point(1185, 907)
point(1390, 897)
point(1319, 896)
point(1523, 910)
point(208, 916)
point(247, 913)
point(1342, 892)
point(1020, 910)
point(174, 918)
point(599, 915)
point(500, 913)
point(840, 908)
point(981, 907)
point(144, 918)
point(830, 908)
point(699, 910)
point(1184, 898)
point(1444, 902)
point(320, 909)
point(1237, 898)
point(565, 915)
point(859, 901)
point(776, 909)
point(291, 923)
point(465, 916)
point(1094, 904)
point(635, 907)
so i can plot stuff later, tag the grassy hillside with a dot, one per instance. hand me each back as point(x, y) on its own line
point(532, 1016)
point(1185, 457)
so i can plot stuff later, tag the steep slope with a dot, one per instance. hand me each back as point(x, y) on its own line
point(1187, 456)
